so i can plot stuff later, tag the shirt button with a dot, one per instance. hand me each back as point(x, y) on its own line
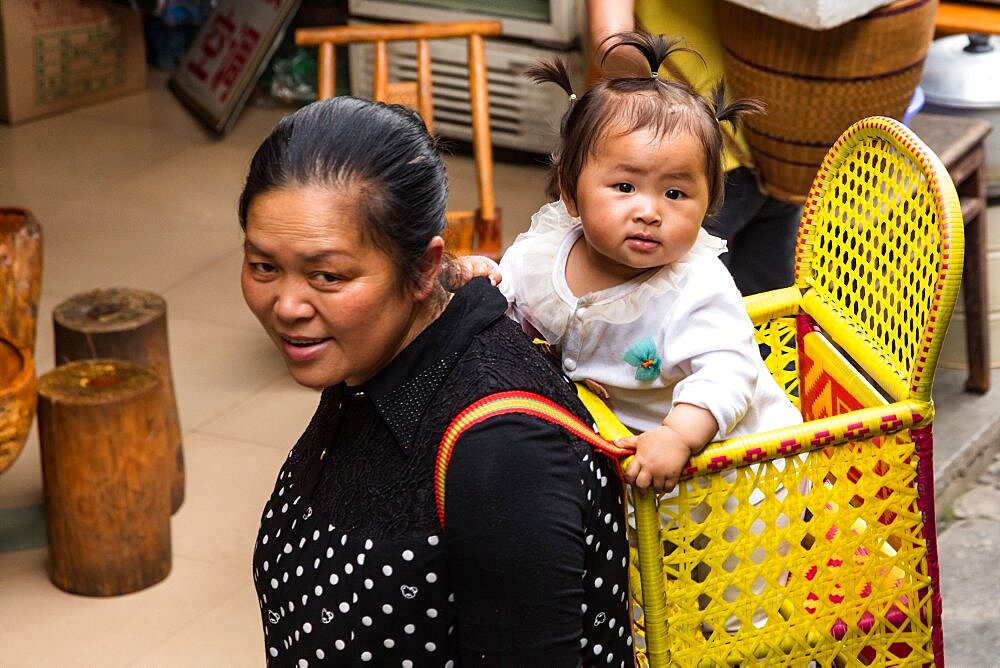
point(569, 364)
point(581, 311)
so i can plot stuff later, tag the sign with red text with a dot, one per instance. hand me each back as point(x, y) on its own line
point(218, 71)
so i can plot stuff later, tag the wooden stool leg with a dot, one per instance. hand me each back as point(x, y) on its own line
point(20, 275)
point(124, 324)
point(105, 472)
point(974, 285)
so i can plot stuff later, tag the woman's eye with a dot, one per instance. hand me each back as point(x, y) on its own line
point(674, 194)
point(326, 278)
point(625, 187)
point(262, 267)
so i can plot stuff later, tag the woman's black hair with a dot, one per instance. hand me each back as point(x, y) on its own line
point(644, 101)
point(382, 151)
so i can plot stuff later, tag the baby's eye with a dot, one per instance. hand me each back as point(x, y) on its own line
point(673, 193)
point(625, 187)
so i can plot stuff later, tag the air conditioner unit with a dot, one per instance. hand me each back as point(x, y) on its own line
point(523, 115)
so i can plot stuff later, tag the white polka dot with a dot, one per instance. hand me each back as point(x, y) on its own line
point(284, 577)
point(273, 651)
point(361, 559)
point(284, 508)
point(316, 534)
point(369, 544)
point(432, 613)
point(366, 620)
point(590, 540)
point(303, 663)
point(340, 644)
point(281, 492)
point(344, 606)
point(348, 568)
point(583, 608)
point(611, 657)
point(343, 539)
point(318, 590)
point(334, 578)
point(432, 540)
point(274, 583)
point(387, 609)
point(389, 643)
point(614, 527)
point(407, 663)
point(366, 656)
point(316, 564)
point(614, 590)
point(407, 555)
point(387, 570)
point(270, 513)
point(291, 606)
point(624, 562)
point(302, 542)
point(266, 566)
point(430, 647)
point(409, 629)
point(607, 518)
point(307, 627)
point(583, 642)
point(449, 664)
point(432, 578)
point(305, 597)
point(597, 649)
point(264, 539)
point(320, 654)
point(611, 623)
point(598, 582)
point(369, 583)
point(298, 571)
point(329, 553)
point(609, 555)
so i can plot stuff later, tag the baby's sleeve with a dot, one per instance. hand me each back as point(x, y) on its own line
point(710, 342)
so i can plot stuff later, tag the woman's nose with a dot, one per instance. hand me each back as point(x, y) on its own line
point(291, 303)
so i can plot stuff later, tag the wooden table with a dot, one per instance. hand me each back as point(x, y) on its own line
point(958, 142)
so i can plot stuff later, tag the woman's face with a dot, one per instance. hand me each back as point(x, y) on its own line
point(331, 301)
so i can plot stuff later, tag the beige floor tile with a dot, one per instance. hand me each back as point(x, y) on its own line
point(213, 295)
point(93, 245)
point(216, 367)
point(229, 635)
point(40, 625)
point(227, 484)
point(274, 416)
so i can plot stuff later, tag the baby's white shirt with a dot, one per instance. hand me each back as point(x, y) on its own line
point(691, 310)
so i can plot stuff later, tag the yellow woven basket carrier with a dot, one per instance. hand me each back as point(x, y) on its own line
point(816, 83)
point(816, 543)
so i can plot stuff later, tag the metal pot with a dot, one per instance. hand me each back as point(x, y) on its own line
point(962, 77)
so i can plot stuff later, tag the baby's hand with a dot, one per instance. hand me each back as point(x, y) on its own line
point(463, 268)
point(660, 457)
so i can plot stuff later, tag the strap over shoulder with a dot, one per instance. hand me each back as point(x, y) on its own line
point(504, 403)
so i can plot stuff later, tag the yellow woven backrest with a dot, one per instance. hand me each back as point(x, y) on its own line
point(817, 542)
point(879, 244)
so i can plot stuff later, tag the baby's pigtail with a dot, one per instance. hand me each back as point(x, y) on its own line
point(554, 71)
point(655, 49)
point(731, 111)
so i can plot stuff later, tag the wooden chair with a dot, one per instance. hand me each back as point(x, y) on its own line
point(817, 542)
point(468, 232)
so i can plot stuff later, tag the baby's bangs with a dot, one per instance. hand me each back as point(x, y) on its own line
point(626, 114)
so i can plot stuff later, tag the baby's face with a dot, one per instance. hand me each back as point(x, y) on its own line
point(642, 199)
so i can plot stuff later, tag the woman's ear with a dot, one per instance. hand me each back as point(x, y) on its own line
point(429, 267)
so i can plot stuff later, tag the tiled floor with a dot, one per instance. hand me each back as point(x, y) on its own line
point(134, 193)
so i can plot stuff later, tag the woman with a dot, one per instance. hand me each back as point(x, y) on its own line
point(343, 210)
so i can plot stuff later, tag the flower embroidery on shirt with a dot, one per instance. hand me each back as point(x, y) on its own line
point(642, 355)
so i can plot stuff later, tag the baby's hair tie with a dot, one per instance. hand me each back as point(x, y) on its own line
point(654, 74)
point(572, 97)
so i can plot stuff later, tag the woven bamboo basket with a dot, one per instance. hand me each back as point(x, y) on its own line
point(817, 83)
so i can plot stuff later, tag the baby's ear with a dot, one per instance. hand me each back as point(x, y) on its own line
point(570, 205)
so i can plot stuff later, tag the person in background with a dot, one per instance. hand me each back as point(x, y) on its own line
point(343, 211)
point(759, 229)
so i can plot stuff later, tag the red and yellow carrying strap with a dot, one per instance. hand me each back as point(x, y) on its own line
point(504, 403)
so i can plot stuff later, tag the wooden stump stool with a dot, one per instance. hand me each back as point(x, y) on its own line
point(20, 275)
point(105, 467)
point(128, 324)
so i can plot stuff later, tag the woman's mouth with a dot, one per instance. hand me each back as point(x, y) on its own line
point(302, 349)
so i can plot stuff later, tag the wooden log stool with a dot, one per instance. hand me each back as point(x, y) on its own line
point(20, 275)
point(128, 324)
point(105, 463)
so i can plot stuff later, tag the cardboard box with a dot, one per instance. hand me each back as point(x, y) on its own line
point(60, 54)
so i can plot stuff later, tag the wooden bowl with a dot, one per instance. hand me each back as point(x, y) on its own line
point(17, 399)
